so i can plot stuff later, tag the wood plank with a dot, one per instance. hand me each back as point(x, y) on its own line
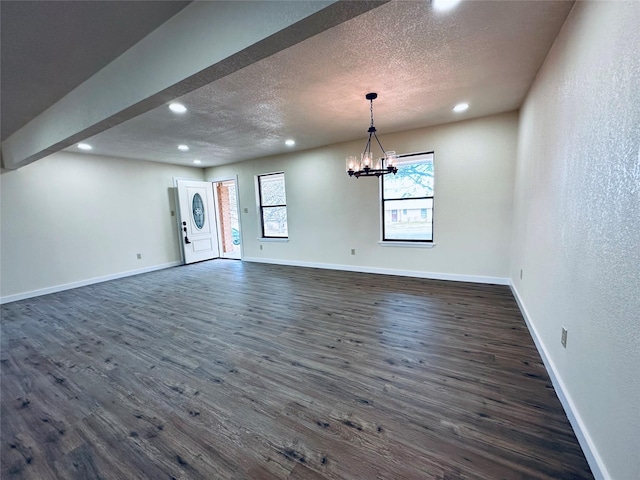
point(229, 370)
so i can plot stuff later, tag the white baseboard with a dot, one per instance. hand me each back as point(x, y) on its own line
point(83, 283)
point(584, 439)
point(384, 271)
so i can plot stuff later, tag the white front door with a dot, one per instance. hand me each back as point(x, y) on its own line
point(197, 221)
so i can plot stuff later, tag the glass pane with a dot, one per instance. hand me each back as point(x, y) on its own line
point(274, 220)
point(408, 219)
point(228, 217)
point(414, 179)
point(272, 189)
point(233, 212)
point(197, 207)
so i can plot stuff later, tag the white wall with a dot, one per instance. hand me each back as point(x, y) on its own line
point(72, 218)
point(577, 224)
point(330, 213)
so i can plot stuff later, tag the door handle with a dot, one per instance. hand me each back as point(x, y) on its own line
point(186, 239)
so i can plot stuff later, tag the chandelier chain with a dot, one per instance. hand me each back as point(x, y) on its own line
point(371, 108)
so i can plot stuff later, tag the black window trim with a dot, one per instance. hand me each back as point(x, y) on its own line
point(383, 200)
point(262, 207)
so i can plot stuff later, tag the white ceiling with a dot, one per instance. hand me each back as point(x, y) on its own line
point(420, 62)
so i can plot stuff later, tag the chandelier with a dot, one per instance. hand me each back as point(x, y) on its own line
point(365, 167)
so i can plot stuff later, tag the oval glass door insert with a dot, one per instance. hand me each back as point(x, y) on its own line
point(197, 206)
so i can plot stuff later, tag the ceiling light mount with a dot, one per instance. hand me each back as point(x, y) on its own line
point(365, 167)
point(443, 5)
point(177, 107)
point(461, 107)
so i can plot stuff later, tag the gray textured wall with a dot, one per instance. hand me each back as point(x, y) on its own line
point(577, 223)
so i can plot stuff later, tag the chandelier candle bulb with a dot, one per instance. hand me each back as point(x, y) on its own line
point(351, 163)
point(391, 158)
point(366, 160)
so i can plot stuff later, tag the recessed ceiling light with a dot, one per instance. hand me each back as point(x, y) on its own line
point(183, 148)
point(443, 5)
point(85, 146)
point(197, 162)
point(290, 143)
point(461, 107)
point(177, 108)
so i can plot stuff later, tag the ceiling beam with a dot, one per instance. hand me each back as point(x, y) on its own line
point(202, 43)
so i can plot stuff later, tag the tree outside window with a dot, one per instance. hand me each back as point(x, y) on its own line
point(407, 200)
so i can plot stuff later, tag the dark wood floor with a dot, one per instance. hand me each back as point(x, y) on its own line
point(225, 370)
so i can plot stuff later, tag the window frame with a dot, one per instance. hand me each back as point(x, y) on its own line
point(261, 207)
point(431, 197)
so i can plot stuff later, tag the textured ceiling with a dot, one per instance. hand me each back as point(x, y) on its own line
point(50, 47)
point(419, 61)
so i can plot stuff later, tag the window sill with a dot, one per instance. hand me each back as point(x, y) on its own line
point(263, 239)
point(406, 244)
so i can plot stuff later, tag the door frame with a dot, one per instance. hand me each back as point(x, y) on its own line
point(176, 206)
point(215, 200)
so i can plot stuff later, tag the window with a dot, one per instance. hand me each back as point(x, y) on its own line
point(273, 205)
point(410, 191)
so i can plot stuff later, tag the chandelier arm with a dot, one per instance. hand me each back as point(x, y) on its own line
point(367, 147)
point(379, 144)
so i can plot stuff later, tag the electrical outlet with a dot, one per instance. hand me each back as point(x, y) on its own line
point(139, 256)
point(563, 339)
point(173, 214)
point(353, 251)
point(520, 274)
point(246, 210)
point(260, 247)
